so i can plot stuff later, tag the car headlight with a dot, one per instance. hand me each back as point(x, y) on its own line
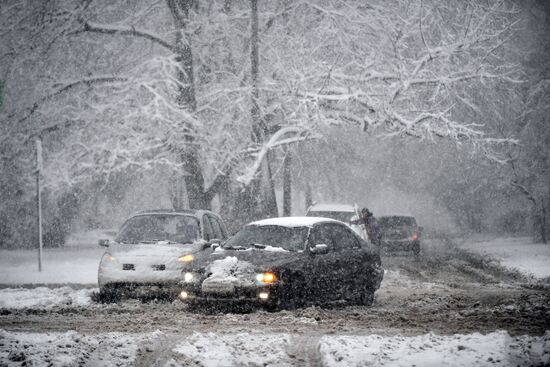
point(266, 277)
point(187, 258)
point(108, 258)
point(189, 277)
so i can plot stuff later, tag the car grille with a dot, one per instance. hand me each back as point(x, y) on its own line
point(128, 267)
point(158, 267)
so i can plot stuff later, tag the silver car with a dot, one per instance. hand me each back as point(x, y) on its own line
point(147, 255)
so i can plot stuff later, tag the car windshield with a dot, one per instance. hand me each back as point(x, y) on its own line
point(155, 228)
point(393, 222)
point(287, 238)
point(341, 216)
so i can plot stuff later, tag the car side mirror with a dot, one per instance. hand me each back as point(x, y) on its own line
point(319, 249)
point(103, 243)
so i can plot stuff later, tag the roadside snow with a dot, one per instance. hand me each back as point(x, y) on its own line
point(256, 349)
point(518, 253)
point(212, 350)
point(494, 349)
point(44, 298)
point(272, 349)
point(67, 349)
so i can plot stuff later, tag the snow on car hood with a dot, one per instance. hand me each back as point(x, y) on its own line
point(230, 270)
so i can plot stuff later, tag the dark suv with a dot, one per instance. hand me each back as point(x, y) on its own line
point(400, 233)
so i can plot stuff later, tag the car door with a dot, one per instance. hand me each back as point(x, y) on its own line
point(350, 261)
point(325, 269)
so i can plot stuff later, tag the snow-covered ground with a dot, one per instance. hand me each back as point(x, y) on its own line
point(272, 349)
point(519, 253)
point(75, 263)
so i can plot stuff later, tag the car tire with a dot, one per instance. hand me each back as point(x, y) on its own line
point(416, 249)
point(108, 295)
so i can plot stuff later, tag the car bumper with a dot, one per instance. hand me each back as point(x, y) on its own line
point(256, 295)
point(161, 290)
point(400, 245)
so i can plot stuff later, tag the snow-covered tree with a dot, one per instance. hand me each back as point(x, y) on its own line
point(113, 86)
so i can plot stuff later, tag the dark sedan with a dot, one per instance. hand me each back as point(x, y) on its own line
point(285, 263)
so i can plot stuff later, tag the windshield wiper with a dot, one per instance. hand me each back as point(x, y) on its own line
point(234, 247)
point(157, 241)
point(258, 245)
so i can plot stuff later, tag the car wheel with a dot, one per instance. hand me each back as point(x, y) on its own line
point(416, 249)
point(108, 295)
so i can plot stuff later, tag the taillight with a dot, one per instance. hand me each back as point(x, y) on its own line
point(414, 236)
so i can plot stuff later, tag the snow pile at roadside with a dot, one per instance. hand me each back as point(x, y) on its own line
point(496, 348)
point(44, 298)
point(271, 349)
point(67, 349)
point(519, 253)
point(233, 350)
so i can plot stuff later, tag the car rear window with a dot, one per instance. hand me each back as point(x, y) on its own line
point(397, 221)
point(154, 228)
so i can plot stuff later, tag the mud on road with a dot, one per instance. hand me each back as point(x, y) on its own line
point(445, 291)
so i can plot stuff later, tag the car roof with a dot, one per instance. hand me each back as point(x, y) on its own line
point(332, 208)
point(394, 215)
point(292, 221)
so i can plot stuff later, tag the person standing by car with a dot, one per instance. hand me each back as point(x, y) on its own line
point(371, 225)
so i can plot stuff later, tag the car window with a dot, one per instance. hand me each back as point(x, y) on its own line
point(208, 232)
point(277, 237)
point(221, 226)
point(344, 238)
point(397, 221)
point(155, 228)
point(216, 230)
point(322, 234)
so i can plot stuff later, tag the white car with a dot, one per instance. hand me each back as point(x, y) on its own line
point(342, 212)
point(147, 256)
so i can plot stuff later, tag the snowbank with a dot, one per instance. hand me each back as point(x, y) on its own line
point(67, 349)
point(272, 349)
point(519, 253)
point(44, 298)
point(498, 348)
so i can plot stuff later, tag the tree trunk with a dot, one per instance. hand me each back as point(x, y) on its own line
point(287, 185)
point(309, 196)
point(194, 179)
point(266, 186)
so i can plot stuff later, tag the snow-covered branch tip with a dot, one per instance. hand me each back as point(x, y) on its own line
point(132, 32)
point(297, 134)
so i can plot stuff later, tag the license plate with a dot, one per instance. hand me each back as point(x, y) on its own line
point(217, 288)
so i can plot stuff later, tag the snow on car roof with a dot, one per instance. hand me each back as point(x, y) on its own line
point(332, 208)
point(291, 221)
